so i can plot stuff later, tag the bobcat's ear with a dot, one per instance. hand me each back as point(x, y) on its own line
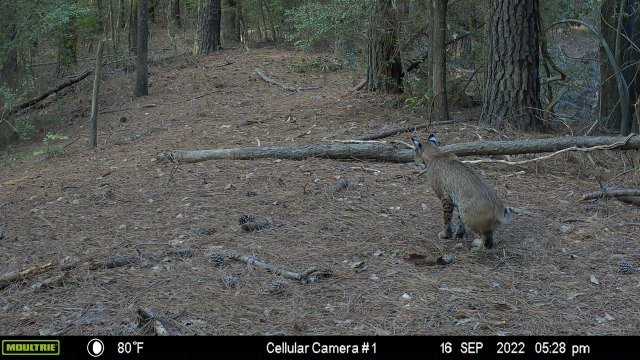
point(417, 146)
point(432, 139)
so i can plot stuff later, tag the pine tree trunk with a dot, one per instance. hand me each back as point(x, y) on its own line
point(384, 67)
point(208, 31)
point(174, 13)
point(439, 60)
point(512, 93)
point(133, 26)
point(142, 78)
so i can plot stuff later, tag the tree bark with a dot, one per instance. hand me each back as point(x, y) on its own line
point(512, 93)
point(439, 61)
point(133, 25)
point(93, 136)
point(208, 30)
point(174, 13)
point(386, 152)
point(142, 73)
point(384, 66)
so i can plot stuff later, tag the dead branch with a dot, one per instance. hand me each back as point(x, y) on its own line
point(573, 148)
point(14, 276)
point(360, 85)
point(629, 196)
point(113, 263)
point(51, 91)
point(49, 283)
point(386, 152)
point(282, 85)
point(145, 106)
point(282, 272)
point(398, 130)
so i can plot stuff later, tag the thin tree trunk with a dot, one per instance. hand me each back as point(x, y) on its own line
point(93, 142)
point(133, 26)
point(142, 78)
point(174, 7)
point(512, 92)
point(272, 22)
point(439, 60)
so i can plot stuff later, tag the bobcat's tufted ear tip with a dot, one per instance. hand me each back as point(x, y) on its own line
point(432, 139)
point(416, 143)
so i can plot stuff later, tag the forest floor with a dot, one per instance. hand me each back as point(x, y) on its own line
point(554, 270)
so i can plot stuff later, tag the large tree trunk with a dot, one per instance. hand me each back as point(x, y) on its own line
point(439, 60)
point(512, 93)
point(208, 31)
point(142, 78)
point(228, 23)
point(66, 46)
point(617, 28)
point(384, 67)
point(389, 153)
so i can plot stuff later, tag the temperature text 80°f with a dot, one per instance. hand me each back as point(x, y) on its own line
point(128, 347)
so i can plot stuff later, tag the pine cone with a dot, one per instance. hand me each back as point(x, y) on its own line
point(218, 259)
point(276, 287)
point(625, 267)
point(247, 218)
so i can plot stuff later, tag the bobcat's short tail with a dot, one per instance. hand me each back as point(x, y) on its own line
point(505, 217)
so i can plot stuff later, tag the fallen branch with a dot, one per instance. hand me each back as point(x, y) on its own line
point(51, 91)
point(625, 195)
point(401, 129)
point(386, 152)
point(113, 263)
point(573, 148)
point(611, 193)
point(49, 282)
point(14, 276)
point(284, 86)
point(360, 85)
point(282, 272)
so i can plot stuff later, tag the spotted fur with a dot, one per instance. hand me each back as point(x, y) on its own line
point(458, 186)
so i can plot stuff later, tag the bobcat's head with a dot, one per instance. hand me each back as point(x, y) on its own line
point(423, 153)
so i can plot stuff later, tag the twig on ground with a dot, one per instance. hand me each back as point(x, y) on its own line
point(282, 272)
point(282, 85)
point(14, 276)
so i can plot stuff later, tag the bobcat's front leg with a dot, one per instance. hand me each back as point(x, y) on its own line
point(447, 213)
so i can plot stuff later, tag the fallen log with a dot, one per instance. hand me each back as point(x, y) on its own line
point(398, 130)
point(51, 91)
point(385, 152)
point(14, 276)
point(611, 193)
point(284, 86)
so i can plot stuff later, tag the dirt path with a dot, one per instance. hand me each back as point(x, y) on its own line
point(115, 201)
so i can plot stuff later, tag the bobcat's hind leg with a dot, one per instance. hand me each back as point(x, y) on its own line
point(447, 213)
point(461, 228)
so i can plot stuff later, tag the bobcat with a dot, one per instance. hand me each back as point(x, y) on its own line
point(457, 185)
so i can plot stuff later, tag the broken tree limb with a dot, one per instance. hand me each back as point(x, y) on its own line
point(401, 129)
point(282, 272)
point(360, 85)
point(389, 153)
point(158, 327)
point(14, 276)
point(51, 91)
point(611, 193)
point(282, 85)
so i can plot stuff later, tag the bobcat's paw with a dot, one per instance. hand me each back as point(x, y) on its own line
point(444, 235)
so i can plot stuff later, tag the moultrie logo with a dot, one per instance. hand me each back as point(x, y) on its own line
point(30, 347)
